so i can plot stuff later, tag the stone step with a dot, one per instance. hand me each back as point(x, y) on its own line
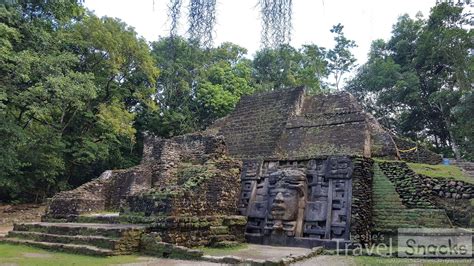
point(394, 205)
point(465, 163)
point(416, 220)
point(389, 213)
point(408, 217)
point(226, 244)
point(384, 193)
point(387, 197)
point(83, 229)
point(97, 241)
point(221, 238)
point(385, 205)
point(412, 212)
point(72, 248)
point(85, 238)
point(219, 230)
point(469, 173)
point(410, 225)
point(99, 218)
point(386, 220)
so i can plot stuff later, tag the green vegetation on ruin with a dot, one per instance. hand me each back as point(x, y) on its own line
point(440, 171)
point(390, 213)
point(191, 175)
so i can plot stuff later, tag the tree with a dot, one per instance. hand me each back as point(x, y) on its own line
point(463, 128)
point(421, 78)
point(286, 66)
point(340, 58)
point(71, 86)
point(196, 85)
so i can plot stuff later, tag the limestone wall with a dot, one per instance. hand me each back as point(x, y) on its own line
point(102, 194)
point(191, 231)
point(289, 124)
point(331, 124)
point(196, 148)
point(362, 201)
point(449, 188)
point(189, 174)
point(194, 190)
point(167, 154)
point(381, 141)
point(254, 128)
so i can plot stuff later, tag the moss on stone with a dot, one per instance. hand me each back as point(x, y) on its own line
point(390, 213)
point(151, 244)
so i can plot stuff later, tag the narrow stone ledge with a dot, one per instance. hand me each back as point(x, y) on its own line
point(287, 260)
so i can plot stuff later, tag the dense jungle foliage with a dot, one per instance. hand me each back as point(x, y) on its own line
point(77, 91)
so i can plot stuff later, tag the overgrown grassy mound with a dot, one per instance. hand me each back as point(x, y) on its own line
point(441, 171)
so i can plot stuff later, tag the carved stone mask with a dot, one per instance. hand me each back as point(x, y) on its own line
point(286, 193)
point(285, 204)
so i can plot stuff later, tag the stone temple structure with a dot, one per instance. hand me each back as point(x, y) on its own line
point(305, 166)
point(289, 124)
point(284, 168)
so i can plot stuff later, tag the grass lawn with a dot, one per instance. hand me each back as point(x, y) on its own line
point(440, 171)
point(366, 260)
point(24, 255)
point(221, 251)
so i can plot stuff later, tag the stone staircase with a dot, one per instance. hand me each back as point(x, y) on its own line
point(466, 167)
point(389, 213)
point(82, 238)
point(221, 237)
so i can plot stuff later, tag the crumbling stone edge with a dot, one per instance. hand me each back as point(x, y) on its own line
point(268, 262)
point(152, 246)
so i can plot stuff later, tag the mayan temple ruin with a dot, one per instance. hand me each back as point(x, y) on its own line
point(285, 168)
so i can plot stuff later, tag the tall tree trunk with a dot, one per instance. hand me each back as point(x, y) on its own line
point(447, 121)
point(452, 139)
point(454, 145)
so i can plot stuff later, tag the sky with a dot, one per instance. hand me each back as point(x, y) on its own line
point(238, 21)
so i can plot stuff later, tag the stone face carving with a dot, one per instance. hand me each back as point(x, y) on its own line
point(287, 198)
point(287, 201)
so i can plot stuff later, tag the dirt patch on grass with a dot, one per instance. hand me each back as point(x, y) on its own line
point(36, 255)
